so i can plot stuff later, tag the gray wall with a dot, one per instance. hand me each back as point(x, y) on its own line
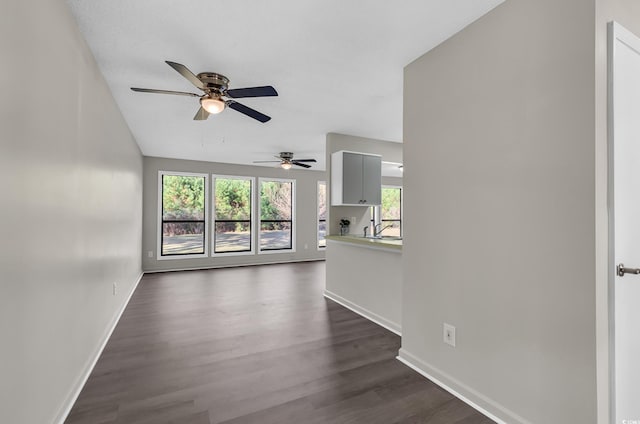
point(306, 213)
point(627, 13)
point(500, 239)
point(71, 214)
point(390, 151)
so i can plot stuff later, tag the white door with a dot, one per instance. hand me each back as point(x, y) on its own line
point(625, 166)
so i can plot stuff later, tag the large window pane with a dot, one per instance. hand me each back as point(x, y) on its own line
point(322, 213)
point(275, 200)
point(233, 198)
point(182, 238)
point(232, 215)
point(236, 238)
point(183, 213)
point(275, 235)
point(182, 197)
point(276, 212)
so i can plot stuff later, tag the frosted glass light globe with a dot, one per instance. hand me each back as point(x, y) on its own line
point(212, 105)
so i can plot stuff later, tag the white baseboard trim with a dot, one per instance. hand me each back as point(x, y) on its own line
point(460, 390)
point(371, 316)
point(91, 363)
point(202, 268)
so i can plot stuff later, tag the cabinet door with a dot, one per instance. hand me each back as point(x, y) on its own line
point(372, 180)
point(352, 178)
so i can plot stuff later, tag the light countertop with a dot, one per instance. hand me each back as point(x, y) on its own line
point(369, 242)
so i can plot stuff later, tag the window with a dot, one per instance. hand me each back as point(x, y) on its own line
point(389, 215)
point(183, 211)
point(276, 215)
point(232, 213)
point(322, 214)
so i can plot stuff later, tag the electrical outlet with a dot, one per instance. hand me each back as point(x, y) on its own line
point(115, 288)
point(306, 246)
point(150, 253)
point(449, 334)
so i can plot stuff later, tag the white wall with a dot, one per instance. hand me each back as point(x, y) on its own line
point(390, 152)
point(70, 213)
point(306, 216)
point(367, 280)
point(500, 240)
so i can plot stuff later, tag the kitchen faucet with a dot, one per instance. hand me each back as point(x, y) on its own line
point(376, 232)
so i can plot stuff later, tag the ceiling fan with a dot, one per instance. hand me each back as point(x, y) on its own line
point(215, 88)
point(286, 160)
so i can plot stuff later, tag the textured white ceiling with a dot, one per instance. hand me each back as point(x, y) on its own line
point(337, 66)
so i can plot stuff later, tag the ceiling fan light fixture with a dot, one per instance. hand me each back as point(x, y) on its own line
point(285, 165)
point(213, 105)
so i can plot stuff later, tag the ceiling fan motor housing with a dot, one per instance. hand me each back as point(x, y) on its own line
point(286, 155)
point(214, 82)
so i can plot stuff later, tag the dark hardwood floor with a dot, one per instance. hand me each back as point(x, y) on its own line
point(254, 345)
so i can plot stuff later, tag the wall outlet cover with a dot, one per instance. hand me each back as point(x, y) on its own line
point(449, 334)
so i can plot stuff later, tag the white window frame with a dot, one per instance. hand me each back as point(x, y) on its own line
point(213, 211)
point(207, 224)
point(293, 216)
point(318, 247)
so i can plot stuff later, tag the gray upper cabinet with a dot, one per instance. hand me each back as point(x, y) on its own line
point(355, 179)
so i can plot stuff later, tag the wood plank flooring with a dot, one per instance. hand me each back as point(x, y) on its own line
point(255, 345)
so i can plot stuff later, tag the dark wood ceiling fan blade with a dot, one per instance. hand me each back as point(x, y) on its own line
point(304, 160)
point(248, 111)
point(265, 91)
point(298, 163)
point(185, 72)
point(152, 90)
point(201, 115)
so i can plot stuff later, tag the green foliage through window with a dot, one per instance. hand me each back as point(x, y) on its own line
point(182, 197)
point(232, 215)
point(275, 200)
point(232, 202)
point(276, 226)
point(390, 212)
point(390, 208)
point(183, 206)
